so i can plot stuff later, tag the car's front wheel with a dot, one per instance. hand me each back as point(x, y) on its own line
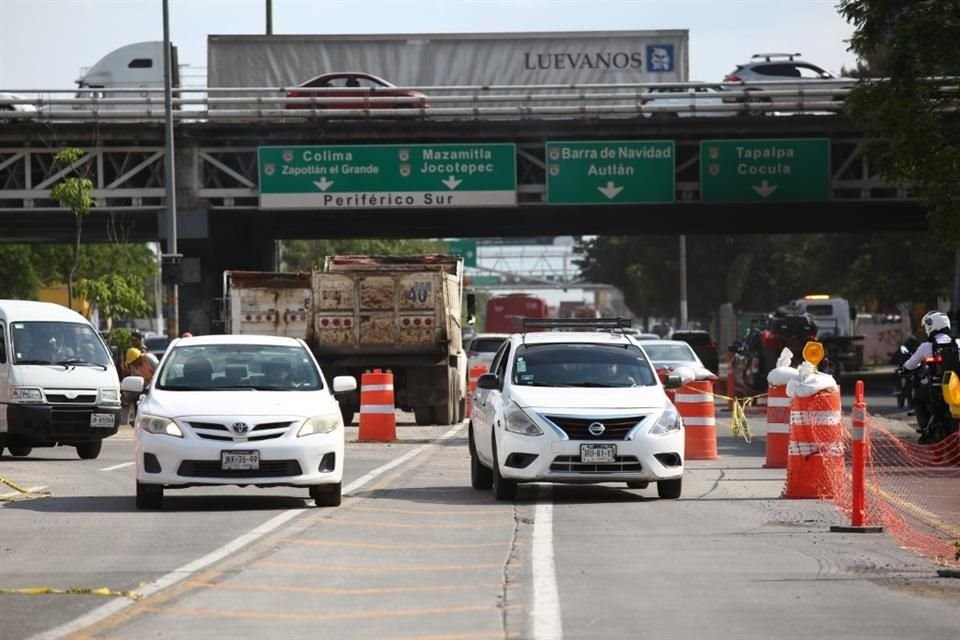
point(503, 489)
point(149, 496)
point(481, 478)
point(670, 489)
point(326, 495)
point(20, 452)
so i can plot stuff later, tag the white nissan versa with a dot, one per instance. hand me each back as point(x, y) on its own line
point(577, 406)
point(240, 410)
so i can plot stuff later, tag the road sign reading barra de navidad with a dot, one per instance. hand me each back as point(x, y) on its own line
point(388, 176)
point(765, 170)
point(610, 172)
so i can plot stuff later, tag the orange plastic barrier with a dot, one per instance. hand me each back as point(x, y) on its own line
point(694, 401)
point(778, 426)
point(378, 420)
point(815, 450)
point(475, 373)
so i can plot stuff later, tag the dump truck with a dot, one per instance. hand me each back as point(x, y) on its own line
point(359, 313)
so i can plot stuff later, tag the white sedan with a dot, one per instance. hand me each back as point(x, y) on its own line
point(239, 410)
point(577, 407)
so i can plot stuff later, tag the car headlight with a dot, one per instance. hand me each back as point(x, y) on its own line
point(517, 421)
point(668, 423)
point(26, 395)
point(158, 425)
point(109, 395)
point(320, 424)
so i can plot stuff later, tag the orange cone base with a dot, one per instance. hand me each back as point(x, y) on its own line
point(807, 476)
point(777, 450)
point(700, 443)
point(377, 428)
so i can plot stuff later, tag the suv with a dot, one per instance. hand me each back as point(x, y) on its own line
point(779, 67)
point(580, 406)
point(703, 345)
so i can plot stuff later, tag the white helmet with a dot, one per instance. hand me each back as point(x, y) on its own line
point(935, 321)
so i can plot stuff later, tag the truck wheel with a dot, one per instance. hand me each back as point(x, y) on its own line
point(423, 416)
point(89, 450)
point(20, 452)
point(444, 414)
point(461, 410)
point(326, 495)
point(149, 496)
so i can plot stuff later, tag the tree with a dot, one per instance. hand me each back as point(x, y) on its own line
point(74, 194)
point(116, 295)
point(911, 119)
point(18, 278)
point(303, 255)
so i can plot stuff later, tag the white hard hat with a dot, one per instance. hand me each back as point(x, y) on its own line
point(935, 321)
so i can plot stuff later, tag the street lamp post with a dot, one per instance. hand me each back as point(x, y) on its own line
point(170, 262)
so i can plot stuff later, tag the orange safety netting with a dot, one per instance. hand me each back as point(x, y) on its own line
point(912, 490)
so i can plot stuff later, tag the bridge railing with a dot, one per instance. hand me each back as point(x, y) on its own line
point(433, 103)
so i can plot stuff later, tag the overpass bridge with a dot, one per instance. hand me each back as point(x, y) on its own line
point(715, 169)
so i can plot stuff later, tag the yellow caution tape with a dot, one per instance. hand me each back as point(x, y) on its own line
point(738, 419)
point(12, 486)
point(24, 493)
point(98, 591)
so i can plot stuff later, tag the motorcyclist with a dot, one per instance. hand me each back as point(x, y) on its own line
point(939, 342)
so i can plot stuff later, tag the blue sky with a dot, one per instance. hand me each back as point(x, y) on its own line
point(45, 43)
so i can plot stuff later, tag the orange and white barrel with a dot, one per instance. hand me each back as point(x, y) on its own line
point(474, 375)
point(815, 450)
point(378, 419)
point(778, 426)
point(694, 402)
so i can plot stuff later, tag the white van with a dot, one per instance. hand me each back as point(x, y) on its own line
point(58, 382)
point(133, 66)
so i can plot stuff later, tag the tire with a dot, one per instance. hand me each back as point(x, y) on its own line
point(637, 484)
point(149, 496)
point(326, 495)
point(901, 401)
point(89, 450)
point(444, 414)
point(423, 416)
point(503, 489)
point(670, 489)
point(20, 452)
point(481, 478)
point(461, 410)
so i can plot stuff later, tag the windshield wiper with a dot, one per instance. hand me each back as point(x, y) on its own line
point(82, 363)
point(593, 384)
point(33, 362)
point(183, 387)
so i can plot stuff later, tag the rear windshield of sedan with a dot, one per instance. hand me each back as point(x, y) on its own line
point(670, 352)
point(582, 365)
point(486, 345)
point(239, 366)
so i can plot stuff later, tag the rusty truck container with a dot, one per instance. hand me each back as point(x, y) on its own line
point(265, 303)
point(396, 313)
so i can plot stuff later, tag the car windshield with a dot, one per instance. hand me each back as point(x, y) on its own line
point(670, 352)
point(581, 365)
point(486, 345)
point(239, 366)
point(57, 343)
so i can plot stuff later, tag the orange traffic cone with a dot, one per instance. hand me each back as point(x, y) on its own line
point(378, 420)
point(815, 450)
point(695, 404)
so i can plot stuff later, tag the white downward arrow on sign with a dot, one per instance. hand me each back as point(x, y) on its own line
point(610, 190)
point(323, 184)
point(765, 189)
point(452, 182)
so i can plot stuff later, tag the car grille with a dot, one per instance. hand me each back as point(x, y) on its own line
point(572, 464)
point(217, 431)
point(69, 421)
point(60, 398)
point(212, 469)
point(577, 428)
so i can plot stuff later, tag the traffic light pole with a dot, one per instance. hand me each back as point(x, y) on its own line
point(171, 258)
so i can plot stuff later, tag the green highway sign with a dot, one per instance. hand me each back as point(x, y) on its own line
point(482, 281)
point(765, 170)
point(465, 248)
point(388, 176)
point(617, 172)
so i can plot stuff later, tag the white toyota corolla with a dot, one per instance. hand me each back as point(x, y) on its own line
point(238, 410)
point(574, 406)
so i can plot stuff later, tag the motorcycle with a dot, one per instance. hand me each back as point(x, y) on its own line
point(936, 399)
point(905, 384)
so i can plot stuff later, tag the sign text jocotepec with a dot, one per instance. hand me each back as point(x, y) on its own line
point(388, 176)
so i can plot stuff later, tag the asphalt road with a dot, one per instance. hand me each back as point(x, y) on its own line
point(414, 552)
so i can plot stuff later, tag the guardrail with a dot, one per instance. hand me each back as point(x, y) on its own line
point(685, 99)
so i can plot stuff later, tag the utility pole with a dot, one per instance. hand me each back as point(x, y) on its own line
point(170, 262)
point(683, 282)
point(269, 17)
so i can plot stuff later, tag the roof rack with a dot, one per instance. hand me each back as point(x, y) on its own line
point(579, 324)
point(769, 56)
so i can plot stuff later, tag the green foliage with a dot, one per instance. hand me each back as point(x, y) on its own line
point(116, 295)
point(303, 255)
point(913, 123)
point(120, 338)
point(18, 278)
point(74, 194)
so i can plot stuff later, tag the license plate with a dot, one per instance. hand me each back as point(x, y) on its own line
point(598, 453)
point(102, 420)
point(239, 460)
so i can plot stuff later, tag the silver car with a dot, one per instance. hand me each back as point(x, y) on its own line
point(686, 102)
point(783, 68)
point(483, 347)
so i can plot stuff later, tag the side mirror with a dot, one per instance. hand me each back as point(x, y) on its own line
point(344, 384)
point(488, 381)
point(673, 381)
point(133, 384)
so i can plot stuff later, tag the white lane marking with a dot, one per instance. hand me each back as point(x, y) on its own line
point(118, 466)
point(187, 570)
point(547, 624)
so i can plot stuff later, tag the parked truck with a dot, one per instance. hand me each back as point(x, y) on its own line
point(451, 59)
point(358, 313)
point(835, 320)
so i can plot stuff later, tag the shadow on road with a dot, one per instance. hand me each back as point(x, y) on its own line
point(171, 502)
point(526, 494)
